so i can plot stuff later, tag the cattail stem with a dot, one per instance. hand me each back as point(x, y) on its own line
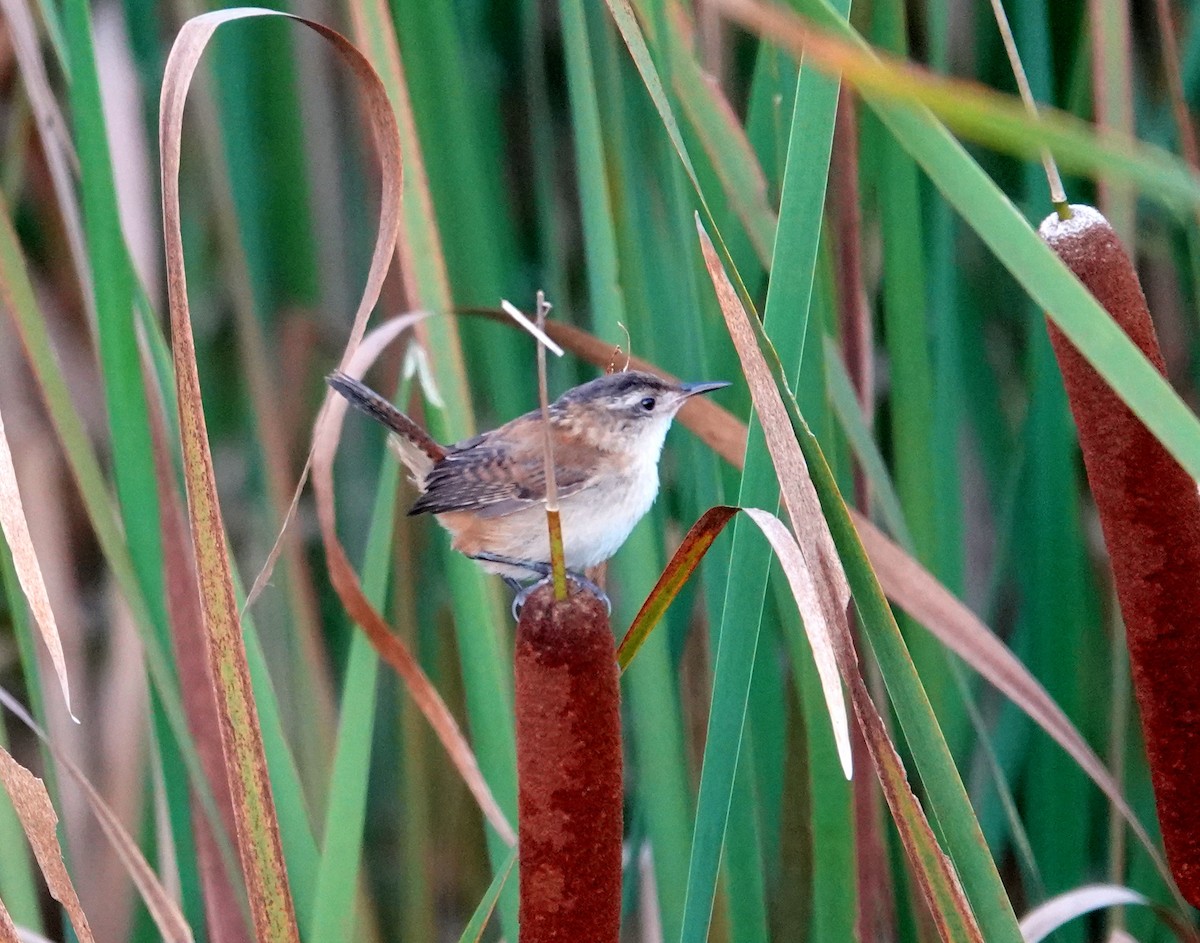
point(558, 566)
point(568, 770)
point(1150, 512)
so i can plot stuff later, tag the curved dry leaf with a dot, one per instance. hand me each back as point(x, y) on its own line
point(799, 494)
point(1060, 910)
point(818, 624)
point(936, 876)
point(162, 908)
point(932, 869)
point(33, 807)
point(345, 581)
point(683, 563)
point(29, 573)
point(675, 574)
point(258, 830)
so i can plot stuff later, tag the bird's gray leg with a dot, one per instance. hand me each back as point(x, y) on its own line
point(536, 569)
point(542, 570)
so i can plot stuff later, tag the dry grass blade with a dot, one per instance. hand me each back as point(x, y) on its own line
point(38, 819)
point(1044, 919)
point(932, 869)
point(29, 573)
point(8, 930)
point(677, 572)
point(228, 917)
point(799, 495)
point(948, 906)
point(820, 632)
point(162, 908)
point(258, 831)
point(687, 557)
point(346, 583)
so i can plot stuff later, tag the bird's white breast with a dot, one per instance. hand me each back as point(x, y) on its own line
point(598, 519)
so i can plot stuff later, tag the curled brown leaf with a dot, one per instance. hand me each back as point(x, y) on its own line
point(38, 818)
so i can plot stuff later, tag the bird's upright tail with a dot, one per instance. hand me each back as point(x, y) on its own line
point(415, 447)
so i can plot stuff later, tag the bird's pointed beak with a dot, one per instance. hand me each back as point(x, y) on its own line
point(691, 389)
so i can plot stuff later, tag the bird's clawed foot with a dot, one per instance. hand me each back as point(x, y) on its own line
point(543, 571)
point(578, 579)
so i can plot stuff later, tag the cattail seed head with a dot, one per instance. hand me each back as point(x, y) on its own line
point(568, 716)
point(1150, 511)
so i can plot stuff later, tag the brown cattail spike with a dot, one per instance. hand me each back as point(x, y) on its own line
point(1150, 511)
point(568, 714)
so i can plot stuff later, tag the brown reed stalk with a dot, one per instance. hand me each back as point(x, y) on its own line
point(569, 775)
point(1150, 512)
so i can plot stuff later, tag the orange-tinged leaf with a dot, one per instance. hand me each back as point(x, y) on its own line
point(257, 828)
point(687, 557)
point(38, 819)
point(29, 573)
point(228, 919)
point(346, 583)
point(678, 571)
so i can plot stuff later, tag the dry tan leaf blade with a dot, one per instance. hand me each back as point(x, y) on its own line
point(226, 909)
point(38, 819)
point(935, 875)
point(162, 908)
point(257, 828)
point(821, 633)
point(346, 583)
point(29, 573)
point(829, 593)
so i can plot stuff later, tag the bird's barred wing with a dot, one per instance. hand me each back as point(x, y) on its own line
point(494, 478)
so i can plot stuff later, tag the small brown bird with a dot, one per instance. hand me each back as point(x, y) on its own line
point(488, 491)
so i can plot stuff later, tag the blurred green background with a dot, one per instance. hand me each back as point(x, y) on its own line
point(538, 158)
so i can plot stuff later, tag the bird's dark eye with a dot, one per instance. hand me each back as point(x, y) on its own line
point(648, 403)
